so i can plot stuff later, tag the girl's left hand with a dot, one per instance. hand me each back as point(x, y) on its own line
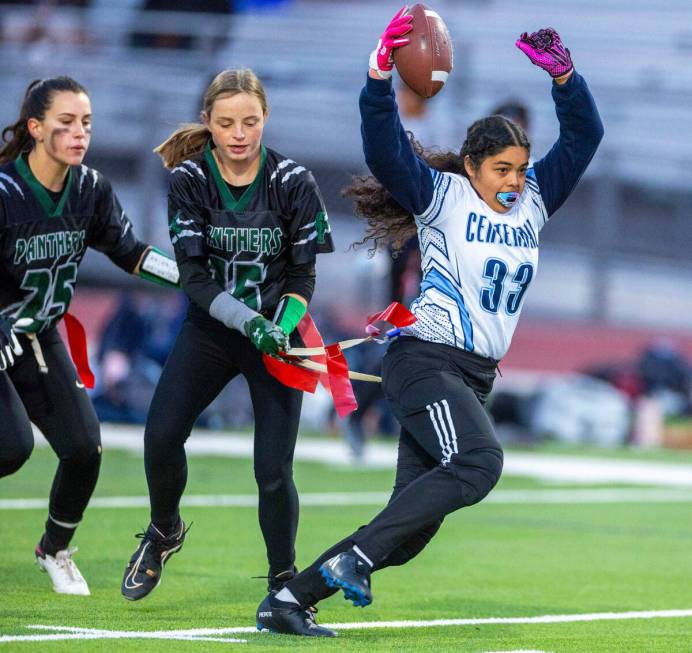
point(545, 49)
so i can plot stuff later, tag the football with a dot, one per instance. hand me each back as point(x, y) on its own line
point(425, 63)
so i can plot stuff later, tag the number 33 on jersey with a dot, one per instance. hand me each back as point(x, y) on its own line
point(477, 265)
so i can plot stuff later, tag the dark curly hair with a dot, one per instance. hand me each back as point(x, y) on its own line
point(388, 223)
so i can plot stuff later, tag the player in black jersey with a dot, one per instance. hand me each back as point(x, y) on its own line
point(52, 207)
point(246, 224)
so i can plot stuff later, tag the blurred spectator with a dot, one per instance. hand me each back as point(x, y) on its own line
point(427, 119)
point(666, 376)
point(41, 25)
point(174, 33)
point(516, 111)
point(660, 372)
point(578, 409)
point(373, 414)
point(134, 346)
point(261, 5)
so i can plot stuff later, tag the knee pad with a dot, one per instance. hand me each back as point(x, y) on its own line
point(478, 471)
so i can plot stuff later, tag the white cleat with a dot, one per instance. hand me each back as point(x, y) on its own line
point(62, 570)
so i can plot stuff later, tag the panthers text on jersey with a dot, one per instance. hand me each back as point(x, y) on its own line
point(44, 236)
point(279, 220)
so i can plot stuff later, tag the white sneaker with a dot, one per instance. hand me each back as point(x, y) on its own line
point(63, 572)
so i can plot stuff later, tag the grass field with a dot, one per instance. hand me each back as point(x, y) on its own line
point(495, 560)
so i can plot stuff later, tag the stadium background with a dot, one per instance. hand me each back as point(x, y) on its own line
point(572, 529)
point(615, 276)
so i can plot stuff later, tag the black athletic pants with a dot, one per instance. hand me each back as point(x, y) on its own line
point(58, 405)
point(205, 357)
point(448, 457)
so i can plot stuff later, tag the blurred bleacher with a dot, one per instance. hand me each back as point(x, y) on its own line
point(619, 250)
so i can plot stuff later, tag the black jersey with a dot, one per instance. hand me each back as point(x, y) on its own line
point(247, 243)
point(42, 242)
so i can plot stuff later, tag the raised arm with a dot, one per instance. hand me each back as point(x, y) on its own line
point(387, 149)
point(581, 129)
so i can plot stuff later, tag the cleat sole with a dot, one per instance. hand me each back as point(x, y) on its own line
point(263, 629)
point(351, 593)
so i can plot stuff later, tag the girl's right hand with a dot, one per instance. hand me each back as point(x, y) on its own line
point(381, 60)
point(9, 345)
point(266, 336)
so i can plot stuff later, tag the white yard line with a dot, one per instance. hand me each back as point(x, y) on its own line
point(544, 467)
point(215, 634)
point(501, 497)
point(114, 635)
point(577, 496)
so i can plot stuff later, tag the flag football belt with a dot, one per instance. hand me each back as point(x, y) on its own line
point(303, 368)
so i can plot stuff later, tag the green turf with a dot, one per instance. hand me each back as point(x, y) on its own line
point(491, 560)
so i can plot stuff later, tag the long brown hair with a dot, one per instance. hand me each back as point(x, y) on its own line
point(387, 222)
point(37, 100)
point(191, 138)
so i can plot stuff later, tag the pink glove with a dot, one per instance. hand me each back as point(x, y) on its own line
point(381, 57)
point(546, 51)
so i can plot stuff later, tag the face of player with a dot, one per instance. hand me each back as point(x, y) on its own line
point(65, 131)
point(500, 179)
point(236, 123)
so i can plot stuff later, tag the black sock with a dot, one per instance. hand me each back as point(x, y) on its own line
point(168, 527)
point(56, 538)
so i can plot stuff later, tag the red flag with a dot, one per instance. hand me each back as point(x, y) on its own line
point(313, 338)
point(395, 314)
point(76, 339)
point(342, 390)
point(298, 377)
point(291, 375)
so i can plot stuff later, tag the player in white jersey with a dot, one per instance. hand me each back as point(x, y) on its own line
point(478, 215)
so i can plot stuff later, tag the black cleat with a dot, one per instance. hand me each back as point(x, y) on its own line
point(289, 619)
point(348, 572)
point(143, 573)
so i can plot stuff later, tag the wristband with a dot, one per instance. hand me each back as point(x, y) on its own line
point(231, 311)
point(160, 268)
point(288, 313)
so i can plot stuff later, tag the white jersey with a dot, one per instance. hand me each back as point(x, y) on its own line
point(477, 265)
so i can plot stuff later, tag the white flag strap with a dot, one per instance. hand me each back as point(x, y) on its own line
point(356, 376)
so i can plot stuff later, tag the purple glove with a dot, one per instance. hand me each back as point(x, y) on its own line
point(381, 57)
point(546, 51)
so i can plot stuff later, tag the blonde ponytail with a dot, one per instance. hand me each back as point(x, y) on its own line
point(185, 142)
